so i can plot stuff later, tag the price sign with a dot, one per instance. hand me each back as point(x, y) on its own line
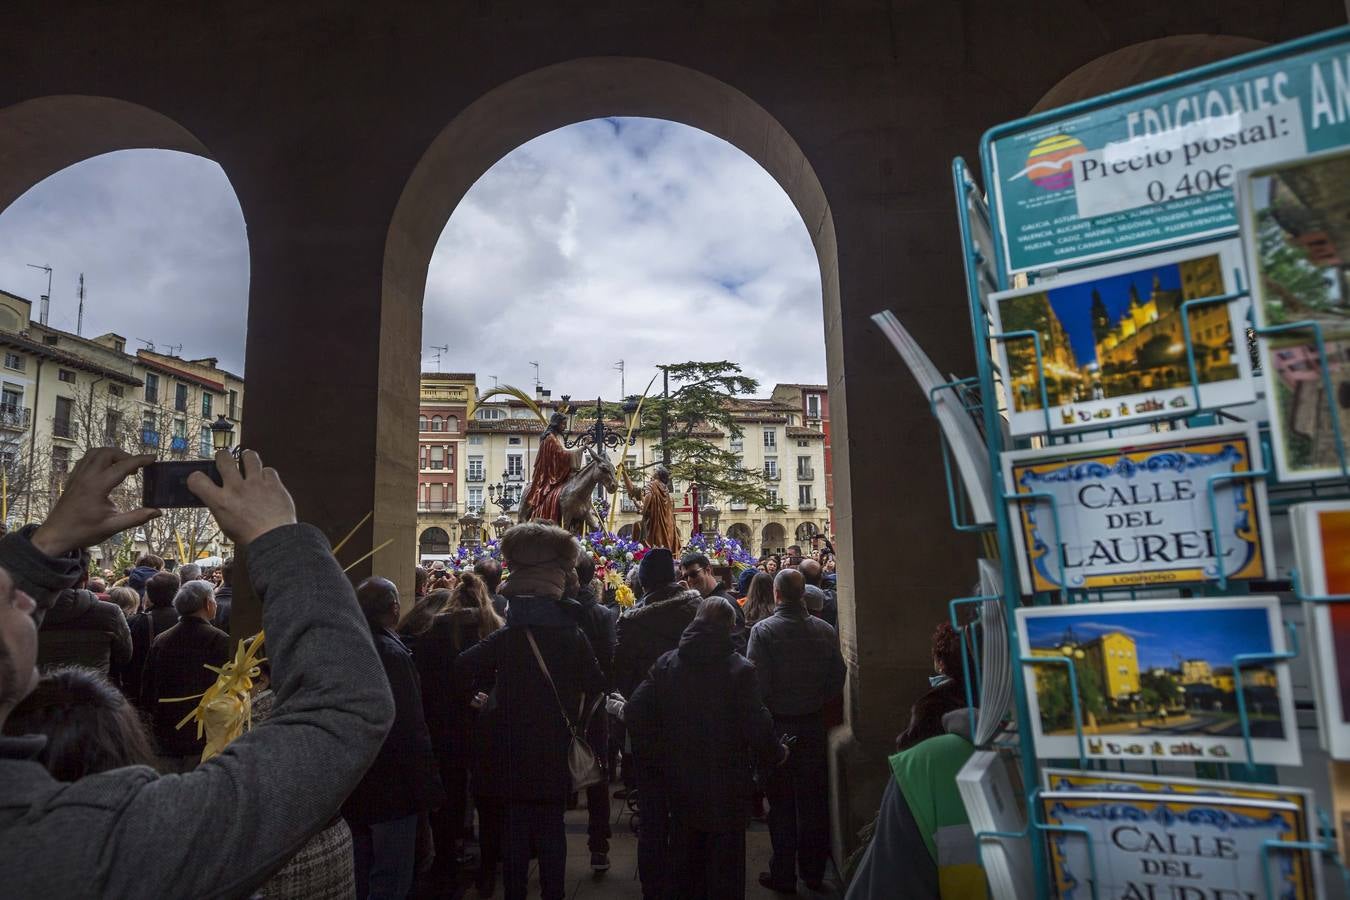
point(1159, 168)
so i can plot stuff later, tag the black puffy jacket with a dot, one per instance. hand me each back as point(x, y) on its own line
point(82, 630)
point(647, 631)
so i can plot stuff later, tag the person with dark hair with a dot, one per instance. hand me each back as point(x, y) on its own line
point(542, 672)
point(438, 628)
point(699, 710)
point(147, 566)
point(645, 633)
point(799, 669)
point(129, 832)
point(390, 805)
point(156, 617)
point(759, 602)
point(176, 668)
point(420, 577)
point(946, 690)
point(697, 572)
point(82, 630)
point(225, 595)
point(490, 571)
point(88, 724)
point(598, 624)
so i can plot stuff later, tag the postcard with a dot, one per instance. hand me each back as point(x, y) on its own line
point(1309, 876)
point(1113, 349)
point(1157, 679)
point(1171, 845)
point(1135, 511)
point(1321, 533)
point(1292, 217)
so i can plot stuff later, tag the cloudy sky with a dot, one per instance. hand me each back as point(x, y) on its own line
point(631, 239)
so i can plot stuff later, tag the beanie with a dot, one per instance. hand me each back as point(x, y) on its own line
point(657, 569)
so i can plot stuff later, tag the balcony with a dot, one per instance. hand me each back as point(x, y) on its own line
point(149, 438)
point(442, 507)
point(806, 505)
point(772, 475)
point(178, 445)
point(806, 474)
point(475, 477)
point(475, 509)
point(627, 505)
point(63, 428)
point(517, 478)
point(13, 418)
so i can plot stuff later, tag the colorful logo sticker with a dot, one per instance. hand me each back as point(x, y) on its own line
point(1050, 163)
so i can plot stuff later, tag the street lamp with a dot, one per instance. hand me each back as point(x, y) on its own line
point(708, 515)
point(222, 433)
point(501, 523)
point(470, 529)
point(502, 495)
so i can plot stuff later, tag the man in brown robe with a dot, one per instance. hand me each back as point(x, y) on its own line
point(658, 510)
point(552, 468)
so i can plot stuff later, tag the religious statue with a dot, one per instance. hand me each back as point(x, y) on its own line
point(658, 510)
point(564, 481)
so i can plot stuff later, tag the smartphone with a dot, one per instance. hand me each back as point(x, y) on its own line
point(165, 483)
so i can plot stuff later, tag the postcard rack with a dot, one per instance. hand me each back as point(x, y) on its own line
point(986, 271)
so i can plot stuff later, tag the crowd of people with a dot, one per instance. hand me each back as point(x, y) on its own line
point(389, 738)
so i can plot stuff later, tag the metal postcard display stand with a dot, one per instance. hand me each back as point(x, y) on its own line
point(989, 267)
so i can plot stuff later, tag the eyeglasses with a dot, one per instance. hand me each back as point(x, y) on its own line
point(691, 572)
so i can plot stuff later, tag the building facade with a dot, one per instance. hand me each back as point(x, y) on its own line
point(501, 443)
point(62, 395)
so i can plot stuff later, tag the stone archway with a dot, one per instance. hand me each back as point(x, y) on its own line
point(772, 539)
point(434, 541)
point(741, 532)
point(805, 532)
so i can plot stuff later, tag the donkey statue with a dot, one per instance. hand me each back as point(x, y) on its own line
point(574, 500)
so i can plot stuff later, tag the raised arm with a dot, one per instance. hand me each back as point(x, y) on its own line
point(236, 818)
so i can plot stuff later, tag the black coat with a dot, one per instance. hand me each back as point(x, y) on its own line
point(404, 779)
point(521, 739)
point(82, 630)
point(224, 600)
point(445, 697)
point(599, 624)
point(646, 632)
point(145, 627)
point(700, 717)
point(176, 667)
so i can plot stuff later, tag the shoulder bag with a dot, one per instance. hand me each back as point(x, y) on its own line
point(581, 762)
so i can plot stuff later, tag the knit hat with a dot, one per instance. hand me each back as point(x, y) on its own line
point(657, 569)
point(815, 599)
point(539, 556)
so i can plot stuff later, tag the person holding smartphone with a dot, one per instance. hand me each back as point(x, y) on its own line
point(221, 829)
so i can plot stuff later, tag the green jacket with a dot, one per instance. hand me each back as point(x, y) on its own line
point(926, 775)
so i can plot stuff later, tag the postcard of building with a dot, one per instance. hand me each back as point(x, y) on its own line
point(1294, 222)
point(1113, 350)
point(1135, 511)
point(1152, 846)
point(1321, 537)
point(1158, 680)
point(1309, 876)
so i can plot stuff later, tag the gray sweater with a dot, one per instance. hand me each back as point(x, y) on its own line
point(222, 829)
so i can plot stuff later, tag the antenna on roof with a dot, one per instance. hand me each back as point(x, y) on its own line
point(46, 303)
point(149, 345)
point(175, 349)
point(439, 351)
point(536, 373)
point(623, 391)
point(79, 318)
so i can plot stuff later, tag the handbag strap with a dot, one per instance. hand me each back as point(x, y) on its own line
point(529, 636)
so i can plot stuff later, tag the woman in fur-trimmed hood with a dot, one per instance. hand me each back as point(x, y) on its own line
point(520, 758)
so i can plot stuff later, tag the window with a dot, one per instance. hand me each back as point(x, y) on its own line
point(62, 427)
point(116, 390)
point(770, 439)
point(180, 428)
point(205, 448)
point(112, 426)
point(804, 496)
point(475, 468)
point(14, 361)
point(513, 442)
point(475, 503)
point(421, 423)
point(151, 387)
point(475, 440)
point(489, 415)
point(65, 375)
point(803, 443)
point(11, 399)
point(452, 424)
point(770, 468)
point(49, 340)
point(813, 406)
point(438, 457)
point(515, 465)
point(773, 496)
point(435, 423)
point(119, 346)
point(180, 397)
point(738, 444)
point(60, 463)
point(206, 405)
point(804, 471)
point(234, 401)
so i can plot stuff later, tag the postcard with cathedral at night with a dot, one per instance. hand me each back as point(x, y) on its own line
point(1112, 345)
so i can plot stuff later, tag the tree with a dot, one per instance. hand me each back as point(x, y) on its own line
point(702, 400)
point(1291, 275)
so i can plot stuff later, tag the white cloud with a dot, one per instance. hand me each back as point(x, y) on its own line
point(160, 239)
point(633, 239)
